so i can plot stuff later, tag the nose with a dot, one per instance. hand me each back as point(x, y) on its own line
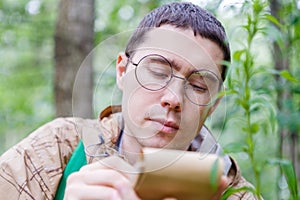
point(173, 96)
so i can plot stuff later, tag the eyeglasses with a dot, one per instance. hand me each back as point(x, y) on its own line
point(154, 72)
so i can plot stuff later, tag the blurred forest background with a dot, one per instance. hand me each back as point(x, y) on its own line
point(47, 71)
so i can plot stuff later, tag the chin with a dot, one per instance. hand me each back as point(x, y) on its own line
point(165, 145)
point(155, 143)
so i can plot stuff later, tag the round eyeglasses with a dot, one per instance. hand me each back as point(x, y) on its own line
point(154, 72)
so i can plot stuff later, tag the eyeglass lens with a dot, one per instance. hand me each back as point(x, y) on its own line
point(154, 72)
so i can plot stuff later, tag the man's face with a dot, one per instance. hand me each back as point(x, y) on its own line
point(166, 117)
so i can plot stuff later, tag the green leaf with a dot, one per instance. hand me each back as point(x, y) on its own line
point(287, 75)
point(214, 175)
point(237, 54)
point(235, 148)
point(258, 6)
point(230, 191)
point(272, 19)
point(243, 103)
point(254, 128)
point(229, 92)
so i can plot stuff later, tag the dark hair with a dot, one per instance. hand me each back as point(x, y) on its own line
point(187, 16)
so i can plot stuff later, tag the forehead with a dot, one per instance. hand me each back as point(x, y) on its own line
point(182, 46)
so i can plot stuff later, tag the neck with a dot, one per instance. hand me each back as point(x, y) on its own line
point(131, 148)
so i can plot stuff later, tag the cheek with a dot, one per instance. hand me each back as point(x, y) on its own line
point(192, 120)
point(136, 105)
point(131, 104)
point(136, 99)
point(135, 102)
point(131, 97)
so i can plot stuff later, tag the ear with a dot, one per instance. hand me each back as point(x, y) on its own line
point(121, 69)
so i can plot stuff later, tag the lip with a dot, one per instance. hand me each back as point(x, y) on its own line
point(168, 126)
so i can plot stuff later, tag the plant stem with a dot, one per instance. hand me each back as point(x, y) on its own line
point(248, 67)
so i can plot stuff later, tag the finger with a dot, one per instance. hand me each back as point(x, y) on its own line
point(92, 167)
point(112, 162)
point(223, 184)
point(91, 193)
point(222, 187)
point(114, 179)
point(105, 177)
point(116, 163)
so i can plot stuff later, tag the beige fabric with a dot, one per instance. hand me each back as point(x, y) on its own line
point(32, 169)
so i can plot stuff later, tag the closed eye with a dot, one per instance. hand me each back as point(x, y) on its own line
point(199, 89)
point(159, 75)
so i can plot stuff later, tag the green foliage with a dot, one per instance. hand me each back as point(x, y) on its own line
point(286, 74)
point(253, 87)
point(213, 178)
point(244, 85)
point(232, 191)
point(119, 16)
point(26, 68)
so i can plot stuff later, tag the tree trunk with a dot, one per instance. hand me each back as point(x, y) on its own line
point(294, 150)
point(74, 38)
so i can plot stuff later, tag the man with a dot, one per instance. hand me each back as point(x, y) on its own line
point(170, 76)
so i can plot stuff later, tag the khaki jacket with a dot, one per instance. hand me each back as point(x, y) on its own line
point(32, 169)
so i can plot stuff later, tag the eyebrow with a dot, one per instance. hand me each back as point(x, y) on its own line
point(175, 64)
point(160, 60)
point(178, 67)
point(208, 75)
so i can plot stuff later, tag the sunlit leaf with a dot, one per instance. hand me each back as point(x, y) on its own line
point(231, 191)
point(254, 128)
point(287, 75)
point(214, 175)
point(235, 148)
point(237, 54)
point(272, 19)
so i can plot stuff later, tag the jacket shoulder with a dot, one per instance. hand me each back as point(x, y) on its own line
point(39, 160)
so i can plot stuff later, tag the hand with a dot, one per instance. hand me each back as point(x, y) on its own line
point(102, 180)
point(222, 187)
